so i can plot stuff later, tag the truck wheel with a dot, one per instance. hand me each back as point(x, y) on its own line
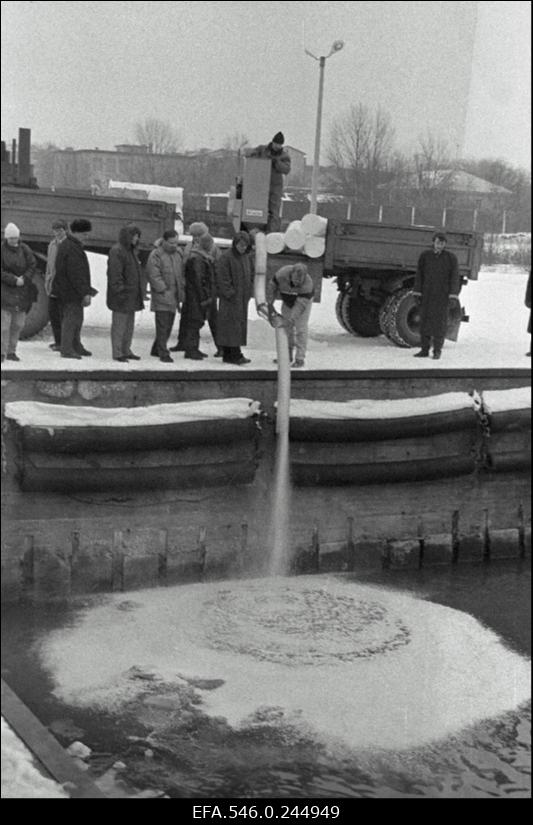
point(403, 319)
point(360, 317)
point(338, 311)
point(37, 318)
point(384, 314)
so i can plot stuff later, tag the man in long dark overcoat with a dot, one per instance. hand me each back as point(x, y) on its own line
point(437, 285)
point(527, 301)
point(234, 273)
point(200, 293)
point(72, 285)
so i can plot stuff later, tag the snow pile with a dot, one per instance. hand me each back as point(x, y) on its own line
point(496, 401)
point(39, 414)
point(20, 777)
point(377, 409)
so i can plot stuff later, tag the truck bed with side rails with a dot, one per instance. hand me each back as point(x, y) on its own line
point(34, 211)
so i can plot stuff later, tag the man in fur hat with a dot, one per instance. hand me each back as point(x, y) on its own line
point(72, 286)
point(281, 165)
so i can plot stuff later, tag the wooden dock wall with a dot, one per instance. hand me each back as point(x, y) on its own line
point(55, 545)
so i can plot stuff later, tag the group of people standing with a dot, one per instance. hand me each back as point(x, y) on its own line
point(200, 283)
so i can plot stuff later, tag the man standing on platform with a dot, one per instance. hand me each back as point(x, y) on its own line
point(125, 291)
point(72, 285)
point(437, 286)
point(59, 230)
point(281, 165)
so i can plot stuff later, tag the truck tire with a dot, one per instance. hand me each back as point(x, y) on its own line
point(384, 314)
point(403, 320)
point(338, 312)
point(360, 317)
point(37, 318)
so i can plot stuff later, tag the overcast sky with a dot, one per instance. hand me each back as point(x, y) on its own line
point(82, 73)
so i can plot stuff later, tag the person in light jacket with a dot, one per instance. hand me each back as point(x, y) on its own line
point(59, 231)
point(167, 290)
point(18, 290)
point(294, 286)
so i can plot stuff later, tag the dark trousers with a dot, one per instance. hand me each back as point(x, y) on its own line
point(438, 343)
point(71, 324)
point(191, 335)
point(231, 354)
point(55, 314)
point(164, 321)
point(211, 319)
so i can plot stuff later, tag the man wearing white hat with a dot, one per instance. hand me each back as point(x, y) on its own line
point(18, 290)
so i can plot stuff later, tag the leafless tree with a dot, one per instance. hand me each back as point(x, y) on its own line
point(361, 142)
point(160, 137)
point(433, 170)
point(235, 142)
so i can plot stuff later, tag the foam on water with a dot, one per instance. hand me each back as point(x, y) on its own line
point(358, 665)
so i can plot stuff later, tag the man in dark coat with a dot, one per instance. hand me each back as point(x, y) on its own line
point(200, 293)
point(437, 286)
point(235, 287)
point(18, 290)
point(125, 291)
point(528, 304)
point(198, 230)
point(281, 165)
point(72, 285)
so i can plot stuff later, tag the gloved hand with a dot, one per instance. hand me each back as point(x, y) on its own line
point(86, 301)
point(453, 302)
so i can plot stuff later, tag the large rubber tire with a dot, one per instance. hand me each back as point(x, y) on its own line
point(403, 319)
point(37, 318)
point(338, 311)
point(384, 314)
point(360, 317)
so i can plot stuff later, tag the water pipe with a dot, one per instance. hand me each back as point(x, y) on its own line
point(266, 310)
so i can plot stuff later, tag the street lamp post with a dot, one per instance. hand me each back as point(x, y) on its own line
point(336, 47)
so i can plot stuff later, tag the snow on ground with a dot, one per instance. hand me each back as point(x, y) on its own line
point(37, 414)
point(496, 336)
point(21, 779)
point(370, 409)
point(496, 401)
